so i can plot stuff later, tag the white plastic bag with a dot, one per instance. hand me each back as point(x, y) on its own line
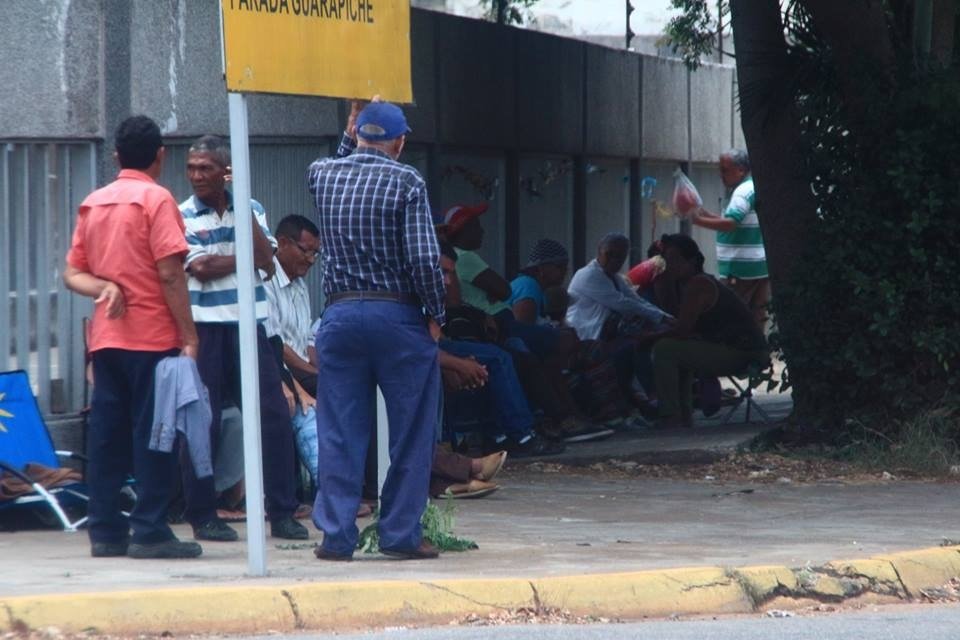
point(686, 198)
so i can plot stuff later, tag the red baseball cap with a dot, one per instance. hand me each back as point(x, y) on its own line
point(458, 215)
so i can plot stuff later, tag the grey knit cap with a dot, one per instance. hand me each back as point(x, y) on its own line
point(547, 251)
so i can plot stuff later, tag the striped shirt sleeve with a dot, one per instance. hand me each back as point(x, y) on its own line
point(740, 204)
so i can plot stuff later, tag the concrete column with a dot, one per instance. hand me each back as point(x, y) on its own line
point(511, 210)
point(116, 16)
point(579, 211)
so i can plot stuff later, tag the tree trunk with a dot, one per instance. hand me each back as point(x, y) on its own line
point(771, 126)
point(944, 31)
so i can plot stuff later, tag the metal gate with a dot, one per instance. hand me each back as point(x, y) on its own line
point(41, 186)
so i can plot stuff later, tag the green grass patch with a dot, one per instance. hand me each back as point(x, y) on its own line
point(437, 522)
point(928, 444)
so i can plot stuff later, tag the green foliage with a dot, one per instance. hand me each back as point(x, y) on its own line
point(508, 11)
point(877, 298)
point(925, 445)
point(873, 305)
point(694, 31)
point(437, 523)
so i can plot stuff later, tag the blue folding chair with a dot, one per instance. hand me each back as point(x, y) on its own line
point(25, 440)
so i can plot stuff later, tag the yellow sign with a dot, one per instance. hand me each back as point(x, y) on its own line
point(333, 48)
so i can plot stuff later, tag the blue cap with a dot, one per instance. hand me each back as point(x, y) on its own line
point(381, 121)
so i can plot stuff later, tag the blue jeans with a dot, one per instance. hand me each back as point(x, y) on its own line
point(510, 403)
point(362, 345)
point(539, 339)
point(305, 432)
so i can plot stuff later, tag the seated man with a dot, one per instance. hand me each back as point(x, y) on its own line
point(604, 306)
point(288, 328)
point(715, 333)
point(483, 288)
point(514, 417)
point(475, 334)
point(453, 475)
point(597, 292)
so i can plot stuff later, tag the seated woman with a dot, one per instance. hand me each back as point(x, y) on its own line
point(545, 268)
point(714, 335)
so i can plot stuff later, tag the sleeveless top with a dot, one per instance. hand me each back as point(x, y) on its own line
point(730, 322)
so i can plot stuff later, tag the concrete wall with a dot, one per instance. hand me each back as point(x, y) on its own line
point(52, 84)
point(78, 67)
point(608, 201)
point(483, 93)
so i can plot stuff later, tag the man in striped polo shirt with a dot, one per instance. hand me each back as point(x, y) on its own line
point(741, 259)
point(212, 268)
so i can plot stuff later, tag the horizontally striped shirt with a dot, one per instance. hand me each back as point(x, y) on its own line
point(740, 252)
point(209, 234)
point(376, 231)
point(290, 316)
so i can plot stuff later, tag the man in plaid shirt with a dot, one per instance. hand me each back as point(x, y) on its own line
point(385, 294)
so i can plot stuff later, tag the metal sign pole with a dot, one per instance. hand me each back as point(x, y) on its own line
point(249, 367)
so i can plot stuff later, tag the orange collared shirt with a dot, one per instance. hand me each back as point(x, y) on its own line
point(122, 231)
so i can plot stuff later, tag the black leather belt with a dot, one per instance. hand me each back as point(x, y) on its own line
point(382, 296)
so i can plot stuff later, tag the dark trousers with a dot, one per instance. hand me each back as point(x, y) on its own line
point(362, 345)
point(219, 366)
point(121, 416)
point(513, 411)
point(545, 386)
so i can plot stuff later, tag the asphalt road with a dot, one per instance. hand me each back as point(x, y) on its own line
point(897, 622)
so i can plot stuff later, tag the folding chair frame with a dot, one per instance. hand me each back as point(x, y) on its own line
point(745, 395)
point(49, 496)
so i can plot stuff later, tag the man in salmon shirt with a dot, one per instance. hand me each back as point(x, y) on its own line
point(127, 253)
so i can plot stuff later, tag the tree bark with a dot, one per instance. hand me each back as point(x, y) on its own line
point(771, 126)
point(944, 30)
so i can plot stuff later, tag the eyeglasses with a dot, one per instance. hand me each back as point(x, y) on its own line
point(309, 254)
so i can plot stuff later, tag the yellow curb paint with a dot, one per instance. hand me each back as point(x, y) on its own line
point(881, 572)
point(260, 609)
point(365, 604)
point(925, 568)
point(762, 583)
point(230, 609)
point(648, 593)
point(826, 586)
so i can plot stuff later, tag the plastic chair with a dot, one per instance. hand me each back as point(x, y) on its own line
point(25, 440)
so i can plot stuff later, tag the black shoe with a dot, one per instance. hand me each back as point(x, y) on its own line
point(425, 551)
point(108, 549)
point(533, 447)
point(215, 530)
point(168, 549)
point(288, 529)
point(323, 554)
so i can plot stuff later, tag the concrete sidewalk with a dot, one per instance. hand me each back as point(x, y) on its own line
point(595, 544)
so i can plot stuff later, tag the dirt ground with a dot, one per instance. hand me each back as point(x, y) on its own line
point(767, 468)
